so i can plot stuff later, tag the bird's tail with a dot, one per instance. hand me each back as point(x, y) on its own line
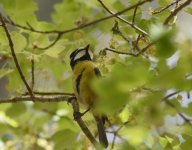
point(101, 131)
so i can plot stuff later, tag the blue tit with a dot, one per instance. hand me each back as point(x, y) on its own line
point(84, 71)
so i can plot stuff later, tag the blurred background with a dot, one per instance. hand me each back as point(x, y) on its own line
point(183, 21)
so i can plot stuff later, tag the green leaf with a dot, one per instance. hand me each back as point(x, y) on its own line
point(127, 146)
point(4, 72)
point(19, 41)
point(14, 82)
point(164, 41)
point(67, 123)
point(164, 2)
point(39, 40)
point(16, 110)
point(4, 107)
point(186, 145)
point(8, 121)
point(114, 90)
point(189, 10)
point(63, 139)
point(73, 11)
point(3, 128)
point(56, 49)
point(91, 3)
point(43, 26)
point(39, 120)
point(124, 115)
point(164, 141)
point(49, 107)
point(4, 44)
point(21, 11)
point(188, 109)
point(109, 102)
point(136, 135)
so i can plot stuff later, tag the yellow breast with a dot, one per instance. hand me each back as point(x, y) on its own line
point(83, 75)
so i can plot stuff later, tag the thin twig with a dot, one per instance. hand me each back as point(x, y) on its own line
point(122, 19)
point(124, 37)
point(144, 49)
point(11, 46)
point(171, 94)
point(136, 42)
point(131, 54)
point(115, 133)
point(164, 8)
point(29, 27)
point(185, 118)
point(167, 101)
point(52, 44)
point(116, 30)
point(134, 14)
point(174, 13)
point(118, 52)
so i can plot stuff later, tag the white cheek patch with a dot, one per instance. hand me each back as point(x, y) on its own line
point(79, 55)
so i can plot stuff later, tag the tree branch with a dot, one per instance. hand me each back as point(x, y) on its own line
point(164, 8)
point(134, 14)
point(144, 49)
point(185, 118)
point(81, 123)
point(115, 133)
point(36, 98)
point(79, 27)
point(174, 13)
point(118, 52)
point(135, 43)
point(131, 54)
point(61, 32)
point(11, 46)
point(67, 98)
point(28, 27)
point(166, 100)
point(122, 19)
point(52, 44)
point(116, 30)
point(50, 93)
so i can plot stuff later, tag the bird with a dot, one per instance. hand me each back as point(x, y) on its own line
point(84, 71)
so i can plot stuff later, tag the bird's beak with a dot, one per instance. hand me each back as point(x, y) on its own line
point(87, 47)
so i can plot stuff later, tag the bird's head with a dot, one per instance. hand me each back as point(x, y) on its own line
point(80, 54)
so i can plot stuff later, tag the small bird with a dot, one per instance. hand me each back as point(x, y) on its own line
point(84, 71)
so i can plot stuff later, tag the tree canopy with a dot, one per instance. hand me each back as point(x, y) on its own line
point(146, 67)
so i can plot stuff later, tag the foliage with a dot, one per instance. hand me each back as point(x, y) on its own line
point(140, 91)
